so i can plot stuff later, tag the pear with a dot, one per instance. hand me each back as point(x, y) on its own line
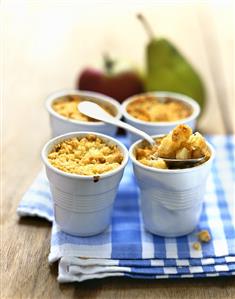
point(168, 70)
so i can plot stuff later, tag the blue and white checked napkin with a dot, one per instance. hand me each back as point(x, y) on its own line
point(126, 249)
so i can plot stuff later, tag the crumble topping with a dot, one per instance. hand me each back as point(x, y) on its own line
point(67, 107)
point(89, 155)
point(149, 108)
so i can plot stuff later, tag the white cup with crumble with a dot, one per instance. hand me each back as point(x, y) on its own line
point(65, 116)
point(171, 199)
point(84, 170)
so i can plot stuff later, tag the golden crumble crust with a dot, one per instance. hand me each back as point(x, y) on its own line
point(88, 155)
point(149, 108)
point(67, 107)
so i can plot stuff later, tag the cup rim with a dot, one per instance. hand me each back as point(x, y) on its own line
point(63, 92)
point(172, 171)
point(56, 139)
point(177, 96)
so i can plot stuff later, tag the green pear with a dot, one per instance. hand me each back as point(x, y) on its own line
point(168, 70)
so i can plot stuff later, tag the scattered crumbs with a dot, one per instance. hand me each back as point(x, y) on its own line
point(204, 236)
point(197, 246)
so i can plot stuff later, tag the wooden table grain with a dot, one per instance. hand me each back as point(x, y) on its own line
point(44, 44)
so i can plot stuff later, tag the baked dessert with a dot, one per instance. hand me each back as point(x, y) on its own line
point(151, 109)
point(89, 155)
point(67, 107)
point(180, 144)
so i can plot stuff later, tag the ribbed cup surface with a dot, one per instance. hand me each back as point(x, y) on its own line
point(174, 200)
point(81, 203)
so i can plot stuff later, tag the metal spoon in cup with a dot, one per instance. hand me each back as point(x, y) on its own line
point(93, 110)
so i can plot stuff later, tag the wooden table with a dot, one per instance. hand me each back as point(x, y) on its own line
point(44, 45)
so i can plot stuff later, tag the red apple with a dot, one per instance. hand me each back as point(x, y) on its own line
point(119, 85)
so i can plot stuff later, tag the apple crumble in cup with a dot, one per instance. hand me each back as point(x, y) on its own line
point(65, 117)
point(159, 112)
point(171, 199)
point(84, 170)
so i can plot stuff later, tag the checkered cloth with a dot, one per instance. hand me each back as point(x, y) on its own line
point(126, 249)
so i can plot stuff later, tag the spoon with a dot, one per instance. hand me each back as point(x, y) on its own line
point(93, 110)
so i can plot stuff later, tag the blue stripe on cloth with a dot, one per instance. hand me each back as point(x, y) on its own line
point(207, 248)
point(183, 270)
point(208, 268)
point(230, 149)
point(226, 218)
point(182, 247)
point(173, 262)
point(148, 271)
point(126, 235)
point(159, 247)
point(134, 263)
point(61, 238)
point(170, 263)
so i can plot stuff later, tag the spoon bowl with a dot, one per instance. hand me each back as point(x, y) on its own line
point(182, 163)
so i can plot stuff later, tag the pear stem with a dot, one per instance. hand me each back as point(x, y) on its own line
point(146, 25)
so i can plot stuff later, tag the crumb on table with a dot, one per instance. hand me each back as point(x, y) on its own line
point(197, 245)
point(204, 236)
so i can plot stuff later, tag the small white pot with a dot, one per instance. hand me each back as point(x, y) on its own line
point(153, 128)
point(171, 199)
point(83, 204)
point(62, 125)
